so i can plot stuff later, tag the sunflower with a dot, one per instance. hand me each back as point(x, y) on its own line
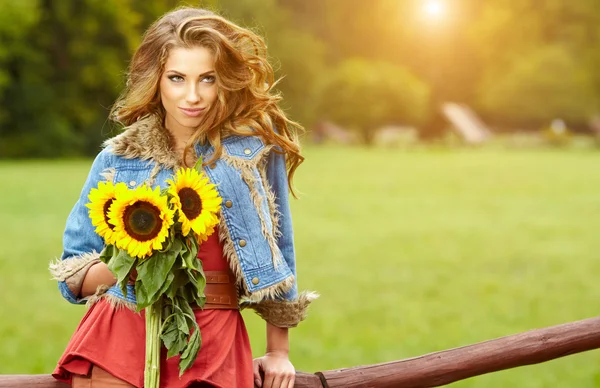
point(142, 219)
point(100, 201)
point(197, 202)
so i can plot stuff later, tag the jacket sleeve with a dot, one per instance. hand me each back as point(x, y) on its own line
point(81, 244)
point(290, 308)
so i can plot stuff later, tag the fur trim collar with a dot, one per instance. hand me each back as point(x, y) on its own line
point(146, 139)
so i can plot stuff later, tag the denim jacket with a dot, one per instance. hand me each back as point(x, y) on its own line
point(255, 222)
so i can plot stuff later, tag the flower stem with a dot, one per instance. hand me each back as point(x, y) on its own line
point(152, 370)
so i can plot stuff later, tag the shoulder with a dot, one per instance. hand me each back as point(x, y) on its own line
point(103, 160)
point(108, 158)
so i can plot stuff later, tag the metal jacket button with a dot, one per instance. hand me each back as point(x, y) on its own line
point(242, 243)
point(228, 203)
point(247, 151)
point(212, 165)
point(255, 281)
point(132, 183)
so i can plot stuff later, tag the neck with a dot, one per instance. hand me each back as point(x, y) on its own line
point(180, 136)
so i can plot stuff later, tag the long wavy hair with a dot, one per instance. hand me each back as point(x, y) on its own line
point(246, 102)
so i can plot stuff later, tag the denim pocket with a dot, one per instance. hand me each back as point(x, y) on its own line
point(132, 177)
point(246, 147)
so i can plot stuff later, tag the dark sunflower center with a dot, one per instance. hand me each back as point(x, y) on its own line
point(105, 210)
point(191, 204)
point(142, 221)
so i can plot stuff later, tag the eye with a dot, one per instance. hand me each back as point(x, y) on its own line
point(176, 78)
point(209, 79)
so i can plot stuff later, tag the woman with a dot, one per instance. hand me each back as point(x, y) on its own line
point(198, 86)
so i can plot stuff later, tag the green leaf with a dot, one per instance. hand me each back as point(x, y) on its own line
point(141, 295)
point(194, 290)
point(183, 335)
point(190, 352)
point(180, 332)
point(167, 284)
point(199, 297)
point(164, 192)
point(200, 278)
point(192, 245)
point(169, 333)
point(173, 338)
point(200, 300)
point(177, 329)
point(198, 165)
point(107, 253)
point(179, 281)
point(153, 272)
point(190, 258)
point(186, 311)
point(123, 286)
point(188, 255)
point(168, 244)
point(121, 265)
point(182, 323)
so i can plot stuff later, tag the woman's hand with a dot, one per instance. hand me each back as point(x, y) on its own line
point(277, 368)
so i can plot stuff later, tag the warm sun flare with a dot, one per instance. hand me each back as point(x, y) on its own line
point(434, 8)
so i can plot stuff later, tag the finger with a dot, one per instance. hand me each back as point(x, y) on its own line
point(256, 371)
point(285, 381)
point(278, 380)
point(292, 381)
point(268, 383)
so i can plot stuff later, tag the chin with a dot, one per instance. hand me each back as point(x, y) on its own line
point(190, 122)
point(185, 122)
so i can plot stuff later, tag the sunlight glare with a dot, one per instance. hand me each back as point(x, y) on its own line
point(434, 8)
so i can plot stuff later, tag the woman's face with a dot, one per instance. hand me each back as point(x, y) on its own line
point(187, 87)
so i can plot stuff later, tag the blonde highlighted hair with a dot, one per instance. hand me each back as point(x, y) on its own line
point(246, 103)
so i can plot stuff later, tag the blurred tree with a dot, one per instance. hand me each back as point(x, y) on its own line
point(293, 51)
point(65, 76)
point(544, 84)
point(364, 95)
point(464, 50)
point(16, 19)
point(63, 65)
point(399, 32)
point(542, 55)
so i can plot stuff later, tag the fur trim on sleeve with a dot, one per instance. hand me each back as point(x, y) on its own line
point(72, 271)
point(283, 313)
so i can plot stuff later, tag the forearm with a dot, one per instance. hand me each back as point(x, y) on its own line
point(97, 275)
point(277, 339)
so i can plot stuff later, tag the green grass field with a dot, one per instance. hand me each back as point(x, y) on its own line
point(413, 252)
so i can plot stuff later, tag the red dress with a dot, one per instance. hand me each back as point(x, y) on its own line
point(114, 340)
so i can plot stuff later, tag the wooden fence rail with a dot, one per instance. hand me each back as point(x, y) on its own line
point(430, 370)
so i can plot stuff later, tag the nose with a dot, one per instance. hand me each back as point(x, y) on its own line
point(192, 95)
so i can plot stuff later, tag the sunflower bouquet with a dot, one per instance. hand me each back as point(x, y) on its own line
point(154, 235)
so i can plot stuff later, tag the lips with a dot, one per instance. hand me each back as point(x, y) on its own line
point(192, 112)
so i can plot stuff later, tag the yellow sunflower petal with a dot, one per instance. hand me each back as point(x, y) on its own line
point(141, 220)
point(101, 200)
point(194, 197)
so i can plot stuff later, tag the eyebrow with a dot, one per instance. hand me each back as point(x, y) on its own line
point(182, 74)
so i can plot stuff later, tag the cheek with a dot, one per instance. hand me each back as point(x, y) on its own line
point(211, 95)
point(167, 93)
